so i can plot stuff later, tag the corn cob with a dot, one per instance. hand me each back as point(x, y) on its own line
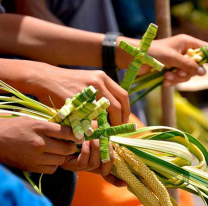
point(122, 170)
point(142, 170)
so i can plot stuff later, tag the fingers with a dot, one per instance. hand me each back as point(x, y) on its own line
point(84, 157)
point(115, 181)
point(49, 169)
point(57, 131)
point(121, 95)
point(94, 124)
point(79, 163)
point(186, 64)
point(70, 163)
point(51, 159)
point(59, 147)
point(105, 168)
point(200, 71)
point(115, 113)
point(192, 42)
point(94, 161)
point(119, 108)
point(89, 160)
point(173, 78)
point(114, 109)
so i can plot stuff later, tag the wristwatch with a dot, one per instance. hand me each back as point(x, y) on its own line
point(108, 54)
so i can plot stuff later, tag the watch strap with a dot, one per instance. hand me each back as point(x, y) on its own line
point(108, 54)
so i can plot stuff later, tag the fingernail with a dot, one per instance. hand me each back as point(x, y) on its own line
point(87, 143)
point(182, 74)
point(170, 77)
point(166, 83)
point(201, 71)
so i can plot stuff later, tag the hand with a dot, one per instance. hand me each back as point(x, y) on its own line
point(89, 160)
point(170, 52)
point(60, 84)
point(27, 144)
point(43, 80)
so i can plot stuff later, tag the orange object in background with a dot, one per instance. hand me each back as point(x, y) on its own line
point(93, 190)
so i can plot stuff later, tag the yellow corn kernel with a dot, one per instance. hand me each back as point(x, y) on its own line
point(122, 170)
point(140, 168)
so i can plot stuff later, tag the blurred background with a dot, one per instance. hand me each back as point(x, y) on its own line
point(189, 17)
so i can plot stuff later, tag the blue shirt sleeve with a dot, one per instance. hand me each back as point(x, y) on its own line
point(2, 10)
point(13, 192)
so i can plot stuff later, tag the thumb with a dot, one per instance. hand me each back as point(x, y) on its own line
point(187, 65)
point(59, 131)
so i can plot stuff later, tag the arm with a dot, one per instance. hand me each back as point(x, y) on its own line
point(54, 44)
point(59, 45)
point(47, 42)
point(39, 10)
point(43, 80)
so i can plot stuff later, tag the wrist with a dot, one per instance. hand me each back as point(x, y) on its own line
point(108, 54)
point(122, 58)
point(36, 79)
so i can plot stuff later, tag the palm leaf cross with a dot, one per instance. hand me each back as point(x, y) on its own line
point(140, 56)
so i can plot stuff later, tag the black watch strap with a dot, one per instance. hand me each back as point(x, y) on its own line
point(108, 54)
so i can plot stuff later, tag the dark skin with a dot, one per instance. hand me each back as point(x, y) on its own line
point(168, 51)
point(35, 150)
point(38, 152)
point(56, 44)
point(60, 45)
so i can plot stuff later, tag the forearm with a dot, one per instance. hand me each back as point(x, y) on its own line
point(48, 42)
point(54, 44)
point(24, 75)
